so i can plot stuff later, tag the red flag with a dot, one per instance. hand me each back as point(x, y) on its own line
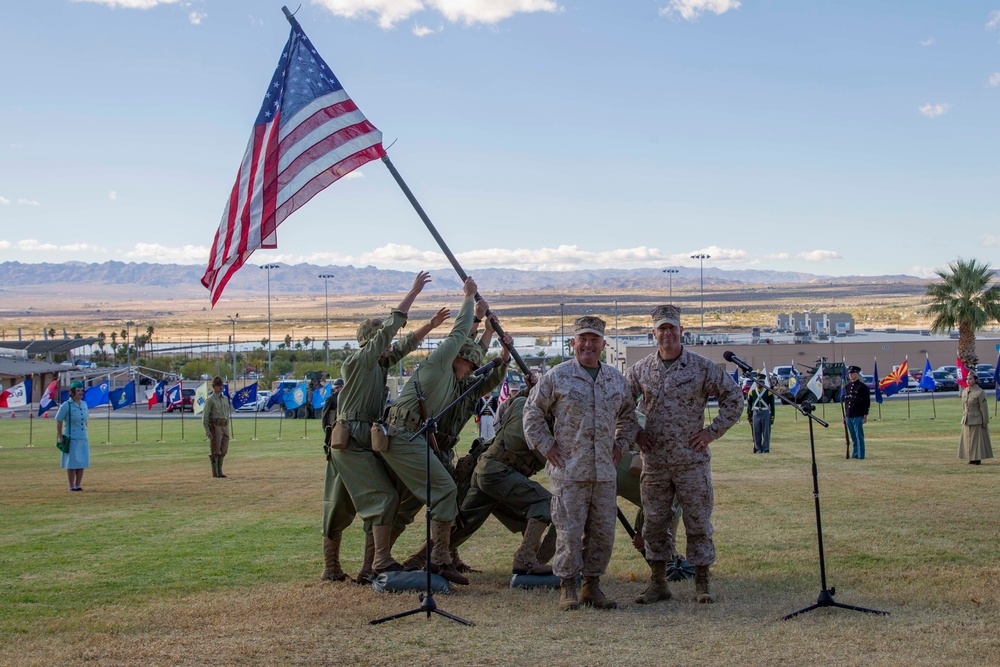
point(961, 372)
point(308, 134)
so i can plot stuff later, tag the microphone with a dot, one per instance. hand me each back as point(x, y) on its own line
point(742, 365)
point(486, 368)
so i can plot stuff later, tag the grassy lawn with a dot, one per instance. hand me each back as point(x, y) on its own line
point(156, 563)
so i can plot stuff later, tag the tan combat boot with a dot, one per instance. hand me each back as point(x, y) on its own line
point(383, 560)
point(701, 578)
point(657, 589)
point(366, 566)
point(526, 556)
point(441, 553)
point(592, 595)
point(567, 595)
point(331, 560)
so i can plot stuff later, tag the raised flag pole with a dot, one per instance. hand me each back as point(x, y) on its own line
point(451, 258)
point(255, 411)
point(135, 411)
point(933, 405)
point(907, 362)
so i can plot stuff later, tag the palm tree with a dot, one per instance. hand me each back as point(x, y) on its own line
point(964, 299)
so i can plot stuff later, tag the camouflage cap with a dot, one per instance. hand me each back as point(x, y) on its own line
point(666, 315)
point(472, 352)
point(589, 324)
point(367, 330)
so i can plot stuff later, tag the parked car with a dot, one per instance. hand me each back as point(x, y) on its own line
point(262, 397)
point(985, 373)
point(951, 370)
point(186, 402)
point(869, 381)
point(944, 381)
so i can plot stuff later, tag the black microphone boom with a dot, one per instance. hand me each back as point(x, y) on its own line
point(742, 365)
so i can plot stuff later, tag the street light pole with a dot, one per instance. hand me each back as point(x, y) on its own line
point(701, 257)
point(670, 277)
point(268, 268)
point(128, 347)
point(232, 321)
point(326, 298)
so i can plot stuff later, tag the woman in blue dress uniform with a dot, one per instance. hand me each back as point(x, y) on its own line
point(71, 419)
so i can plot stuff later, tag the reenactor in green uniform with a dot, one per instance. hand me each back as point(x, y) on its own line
point(357, 480)
point(434, 385)
point(216, 421)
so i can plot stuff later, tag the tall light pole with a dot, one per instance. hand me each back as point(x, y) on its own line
point(562, 325)
point(268, 267)
point(701, 257)
point(670, 278)
point(326, 298)
point(232, 321)
point(128, 347)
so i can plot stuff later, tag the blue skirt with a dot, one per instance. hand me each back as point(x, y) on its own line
point(78, 456)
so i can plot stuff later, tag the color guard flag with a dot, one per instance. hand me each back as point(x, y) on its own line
point(157, 395)
point(48, 397)
point(308, 134)
point(927, 379)
point(996, 378)
point(320, 395)
point(278, 397)
point(878, 387)
point(297, 397)
point(123, 396)
point(174, 395)
point(815, 384)
point(16, 396)
point(97, 395)
point(245, 395)
point(897, 380)
point(961, 372)
point(200, 396)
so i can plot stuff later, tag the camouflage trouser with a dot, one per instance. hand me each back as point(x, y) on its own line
point(584, 514)
point(507, 495)
point(692, 486)
point(338, 508)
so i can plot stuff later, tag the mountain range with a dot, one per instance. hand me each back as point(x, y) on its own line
point(184, 279)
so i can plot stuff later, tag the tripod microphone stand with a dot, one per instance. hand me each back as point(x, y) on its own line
point(427, 603)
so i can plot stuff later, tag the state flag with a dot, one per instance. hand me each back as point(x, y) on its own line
point(246, 395)
point(157, 394)
point(48, 399)
point(97, 394)
point(17, 396)
point(123, 396)
point(815, 384)
point(200, 396)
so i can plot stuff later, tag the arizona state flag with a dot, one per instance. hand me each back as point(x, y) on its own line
point(896, 381)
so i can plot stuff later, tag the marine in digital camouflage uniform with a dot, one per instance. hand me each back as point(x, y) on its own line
point(675, 384)
point(357, 480)
point(585, 401)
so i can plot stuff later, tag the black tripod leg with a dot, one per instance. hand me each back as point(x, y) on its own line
point(864, 609)
point(454, 618)
point(402, 614)
point(793, 614)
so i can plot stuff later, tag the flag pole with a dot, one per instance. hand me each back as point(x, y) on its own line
point(447, 252)
point(933, 404)
point(181, 400)
point(907, 362)
point(280, 420)
point(109, 419)
point(255, 411)
point(135, 412)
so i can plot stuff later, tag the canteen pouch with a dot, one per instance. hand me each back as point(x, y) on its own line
point(340, 435)
point(380, 437)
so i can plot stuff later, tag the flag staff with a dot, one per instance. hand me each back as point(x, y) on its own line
point(447, 252)
point(907, 380)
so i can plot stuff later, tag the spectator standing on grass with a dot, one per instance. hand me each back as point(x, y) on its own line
point(857, 401)
point(760, 414)
point(71, 420)
point(215, 418)
point(974, 445)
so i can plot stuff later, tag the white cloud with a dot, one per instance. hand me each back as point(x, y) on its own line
point(922, 271)
point(927, 42)
point(357, 173)
point(819, 255)
point(27, 202)
point(194, 18)
point(390, 12)
point(34, 245)
point(4, 201)
point(990, 240)
point(188, 254)
point(470, 12)
point(561, 258)
point(256, 21)
point(113, 195)
point(994, 20)
point(689, 10)
point(4, 244)
point(995, 79)
point(422, 31)
point(934, 110)
point(778, 256)
point(130, 4)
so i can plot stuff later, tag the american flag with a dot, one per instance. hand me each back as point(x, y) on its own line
point(504, 392)
point(308, 134)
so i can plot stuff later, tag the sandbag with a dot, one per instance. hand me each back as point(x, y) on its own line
point(535, 581)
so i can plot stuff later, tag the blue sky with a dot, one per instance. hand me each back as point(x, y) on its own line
point(856, 137)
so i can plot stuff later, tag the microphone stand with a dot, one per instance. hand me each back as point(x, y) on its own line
point(427, 603)
point(825, 598)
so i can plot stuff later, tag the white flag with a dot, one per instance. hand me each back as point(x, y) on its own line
point(815, 384)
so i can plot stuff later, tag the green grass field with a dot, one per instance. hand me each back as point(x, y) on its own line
point(156, 563)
